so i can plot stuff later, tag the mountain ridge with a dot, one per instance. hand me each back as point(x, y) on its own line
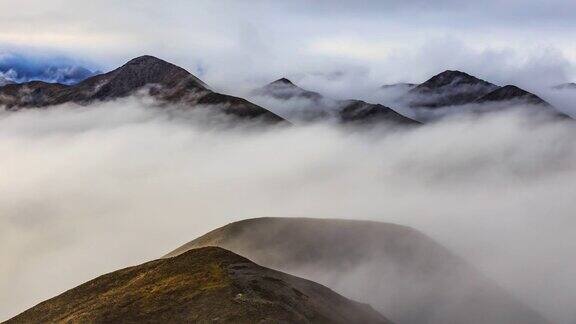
point(160, 79)
point(430, 284)
point(349, 111)
point(206, 285)
point(449, 88)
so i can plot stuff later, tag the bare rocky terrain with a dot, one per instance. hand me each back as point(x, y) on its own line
point(206, 285)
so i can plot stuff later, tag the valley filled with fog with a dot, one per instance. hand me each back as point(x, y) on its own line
point(87, 190)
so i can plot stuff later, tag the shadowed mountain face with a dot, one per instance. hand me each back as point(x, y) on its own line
point(401, 272)
point(311, 106)
point(454, 92)
point(165, 81)
point(449, 88)
point(511, 92)
point(207, 285)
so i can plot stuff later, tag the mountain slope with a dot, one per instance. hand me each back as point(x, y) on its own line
point(511, 92)
point(165, 81)
point(449, 88)
point(312, 106)
point(358, 111)
point(285, 89)
point(512, 96)
point(207, 285)
point(398, 270)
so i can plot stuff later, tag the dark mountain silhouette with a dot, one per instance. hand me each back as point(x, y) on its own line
point(449, 88)
point(207, 285)
point(400, 271)
point(512, 93)
point(512, 96)
point(285, 89)
point(318, 107)
point(358, 111)
point(165, 81)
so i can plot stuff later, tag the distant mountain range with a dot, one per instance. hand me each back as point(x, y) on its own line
point(278, 101)
point(449, 88)
point(401, 272)
point(160, 79)
point(313, 106)
point(206, 285)
point(466, 93)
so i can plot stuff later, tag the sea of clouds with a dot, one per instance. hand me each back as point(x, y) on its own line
point(87, 190)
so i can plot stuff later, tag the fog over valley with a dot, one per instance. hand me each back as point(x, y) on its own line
point(343, 162)
point(149, 181)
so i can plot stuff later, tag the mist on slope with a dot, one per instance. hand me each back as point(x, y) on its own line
point(89, 190)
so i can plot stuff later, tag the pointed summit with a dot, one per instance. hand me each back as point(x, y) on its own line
point(512, 92)
point(312, 106)
point(449, 88)
point(452, 78)
point(512, 96)
point(137, 73)
point(146, 59)
point(147, 74)
point(285, 89)
point(283, 81)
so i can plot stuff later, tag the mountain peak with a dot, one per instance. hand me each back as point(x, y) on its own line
point(285, 89)
point(139, 72)
point(452, 77)
point(154, 66)
point(512, 92)
point(284, 81)
point(450, 88)
point(163, 80)
point(145, 59)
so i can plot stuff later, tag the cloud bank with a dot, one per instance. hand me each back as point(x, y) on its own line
point(90, 190)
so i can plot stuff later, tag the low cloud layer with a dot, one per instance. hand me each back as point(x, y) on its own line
point(89, 190)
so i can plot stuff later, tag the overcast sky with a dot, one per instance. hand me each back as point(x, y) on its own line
point(236, 44)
